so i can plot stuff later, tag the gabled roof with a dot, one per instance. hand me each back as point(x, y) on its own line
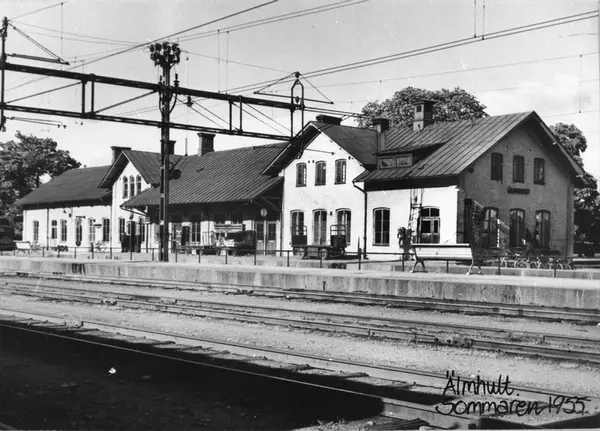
point(75, 186)
point(360, 143)
point(220, 176)
point(462, 142)
point(147, 164)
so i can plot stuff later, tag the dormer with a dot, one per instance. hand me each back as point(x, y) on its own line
point(423, 114)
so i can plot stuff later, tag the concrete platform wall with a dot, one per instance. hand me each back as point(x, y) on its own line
point(548, 292)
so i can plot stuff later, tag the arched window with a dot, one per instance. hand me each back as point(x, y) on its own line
point(36, 231)
point(63, 230)
point(340, 171)
point(78, 231)
point(320, 173)
point(517, 227)
point(429, 225)
point(542, 228)
point(105, 230)
point(138, 182)
point(298, 223)
point(54, 230)
point(125, 187)
point(381, 226)
point(121, 228)
point(489, 228)
point(142, 225)
point(301, 175)
point(92, 230)
point(131, 187)
point(344, 218)
point(320, 227)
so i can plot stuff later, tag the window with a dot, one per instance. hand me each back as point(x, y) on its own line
point(301, 175)
point(121, 226)
point(196, 234)
point(489, 228)
point(340, 172)
point(105, 230)
point(344, 218)
point(63, 230)
point(518, 169)
point(54, 229)
point(320, 174)
point(320, 227)
point(130, 229)
point(142, 225)
point(517, 228)
point(36, 231)
point(387, 163)
point(497, 164)
point(78, 231)
point(429, 225)
point(381, 225)
point(92, 230)
point(125, 187)
point(131, 187)
point(138, 182)
point(271, 231)
point(542, 229)
point(297, 223)
point(539, 171)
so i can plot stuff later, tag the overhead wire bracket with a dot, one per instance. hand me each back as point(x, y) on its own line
point(55, 58)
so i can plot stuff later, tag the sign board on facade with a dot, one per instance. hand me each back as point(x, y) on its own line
point(518, 191)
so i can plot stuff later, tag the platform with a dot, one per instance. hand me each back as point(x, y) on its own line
point(540, 291)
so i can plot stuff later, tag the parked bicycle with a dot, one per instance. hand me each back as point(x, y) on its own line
point(100, 246)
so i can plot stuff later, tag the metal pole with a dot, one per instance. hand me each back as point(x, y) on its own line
point(2, 61)
point(165, 108)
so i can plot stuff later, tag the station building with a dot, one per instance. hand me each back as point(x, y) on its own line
point(428, 178)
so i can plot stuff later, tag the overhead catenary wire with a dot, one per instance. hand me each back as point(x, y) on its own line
point(434, 48)
point(140, 45)
point(39, 10)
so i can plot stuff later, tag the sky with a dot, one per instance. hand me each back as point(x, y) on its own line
point(554, 71)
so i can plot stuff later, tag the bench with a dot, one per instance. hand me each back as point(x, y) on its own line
point(26, 247)
point(444, 252)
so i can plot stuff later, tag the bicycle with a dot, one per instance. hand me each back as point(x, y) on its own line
point(99, 246)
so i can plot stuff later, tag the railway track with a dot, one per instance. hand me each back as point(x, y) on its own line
point(476, 337)
point(579, 316)
point(395, 387)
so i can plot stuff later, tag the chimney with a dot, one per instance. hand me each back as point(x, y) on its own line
point(381, 125)
point(116, 152)
point(329, 120)
point(207, 143)
point(423, 114)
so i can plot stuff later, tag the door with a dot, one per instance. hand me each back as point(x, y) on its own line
point(271, 237)
point(260, 235)
point(319, 227)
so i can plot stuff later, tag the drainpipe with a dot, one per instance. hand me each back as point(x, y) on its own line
point(364, 222)
point(47, 229)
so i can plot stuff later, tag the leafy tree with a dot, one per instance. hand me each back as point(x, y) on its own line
point(451, 105)
point(23, 163)
point(587, 199)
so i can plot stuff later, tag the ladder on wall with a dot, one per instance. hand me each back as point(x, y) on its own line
point(416, 203)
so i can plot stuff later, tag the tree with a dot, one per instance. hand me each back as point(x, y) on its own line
point(23, 164)
point(587, 199)
point(451, 105)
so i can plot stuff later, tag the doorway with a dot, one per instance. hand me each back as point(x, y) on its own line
point(266, 236)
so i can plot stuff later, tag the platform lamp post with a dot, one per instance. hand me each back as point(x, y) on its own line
point(165, 55)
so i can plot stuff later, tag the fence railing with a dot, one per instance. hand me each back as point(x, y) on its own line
point(502, 263)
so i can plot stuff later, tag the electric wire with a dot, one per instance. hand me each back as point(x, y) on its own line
point(435, 48)
point(38, 10)
point(78, 35)
point(234, 62)
point(140, 45)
